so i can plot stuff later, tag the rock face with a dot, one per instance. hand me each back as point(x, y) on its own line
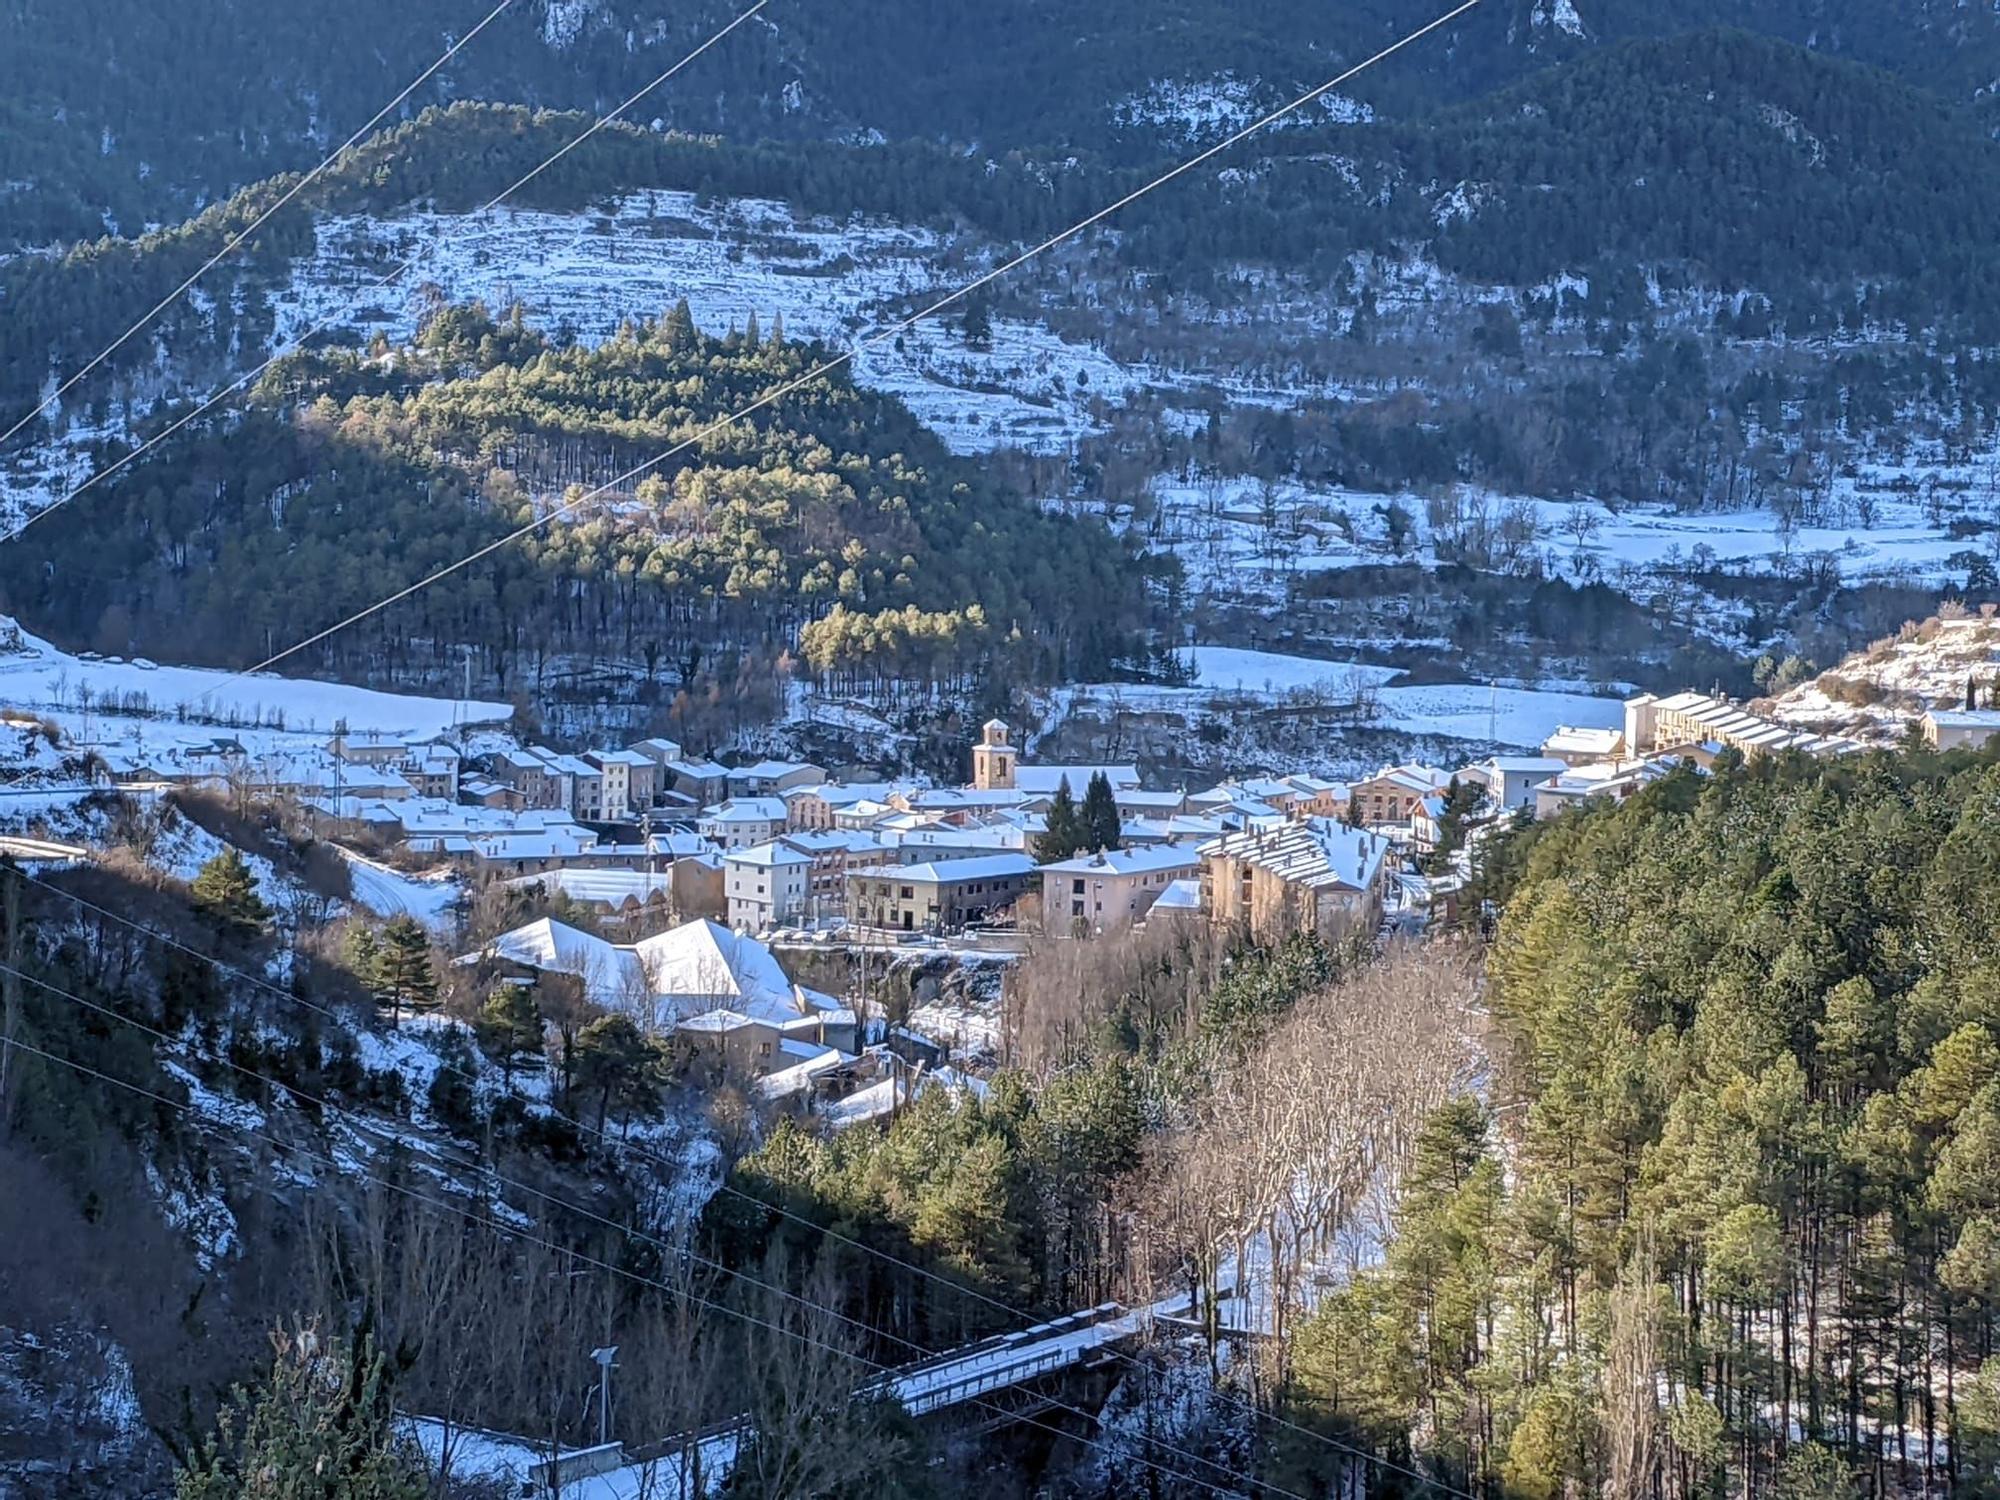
point(70, 1423)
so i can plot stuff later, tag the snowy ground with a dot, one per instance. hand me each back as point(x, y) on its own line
point(430, 898)
point(80, 691)
point(1229, 681)
point(839, 282)
point(1235, 533)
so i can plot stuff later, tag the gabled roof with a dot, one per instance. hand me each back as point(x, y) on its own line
point(768, 856)
point(955, 871)
point(1315, 852)
point(705, 962)
point(1128, 861)
point(1043, 780)
point(747, 810)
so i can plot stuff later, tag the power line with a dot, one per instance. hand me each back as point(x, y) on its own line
point(835, 362)
point(490, 1222)
point(334, 317)
point(630, 1232)
point(969, 1292)
point(255, 224)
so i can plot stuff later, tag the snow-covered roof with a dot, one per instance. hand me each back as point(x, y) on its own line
point(1965, 718)
point(619, 758)
point(956, 871)
point(1143, 801)
point(1180, 895)
point(1043, 780)
point(837, 840)
point(995, 836)
point(697, 968)
point(1145, 861)
point(771, 770)
point(706, 961)
point(747, 810)
point(1313, 852)
point(697, 770)
point(1571, 740)
point(1413, 778)
point(767, 856)
point(599, 887)
point(811, 1061)
point(951, 798)
point(609, 974)
point(1521, 765)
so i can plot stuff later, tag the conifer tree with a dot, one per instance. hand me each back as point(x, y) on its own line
point(509, 1025)
point(677, 330)
point(404, 976)
point(1100, 828)
point(226, 891)
point(1063, 834)
point(322, 1427)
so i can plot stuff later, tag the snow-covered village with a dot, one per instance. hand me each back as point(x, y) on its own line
point(1069, 753)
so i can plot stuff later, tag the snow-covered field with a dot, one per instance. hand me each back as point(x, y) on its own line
point(1521, 717)
point(1227, 677)
point(142, 711)
point(36, 675)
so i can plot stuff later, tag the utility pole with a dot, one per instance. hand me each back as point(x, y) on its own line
point(606, 1362)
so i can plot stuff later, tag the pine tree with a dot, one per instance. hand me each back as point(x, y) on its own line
point(509, 1025)
point(364, 955)
point(615, 1062)
point(404, 976)
point(321, 1428)
point(753, 336)
point(978, 324)
point(677, 330)
point(1100, 828)
point(1063, 834)
point(226, 891)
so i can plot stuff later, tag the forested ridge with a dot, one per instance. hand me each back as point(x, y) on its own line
point(1819, 197)
point(144, 115)
point(1732, 1213)
point(354, 473)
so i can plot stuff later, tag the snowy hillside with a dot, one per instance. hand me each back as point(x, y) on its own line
point(1875, 696)
point(734, 261)
point(144, 708)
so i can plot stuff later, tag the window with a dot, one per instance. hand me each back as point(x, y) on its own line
point(908, 893)
point(1076, 887)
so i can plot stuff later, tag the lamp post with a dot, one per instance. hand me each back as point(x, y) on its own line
point(606, 1362)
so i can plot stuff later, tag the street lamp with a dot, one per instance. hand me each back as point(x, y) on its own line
point(606, 1359)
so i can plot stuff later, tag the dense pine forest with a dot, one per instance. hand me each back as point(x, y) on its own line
point(1731, 1211)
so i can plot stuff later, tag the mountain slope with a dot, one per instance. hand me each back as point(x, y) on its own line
point(111, 115)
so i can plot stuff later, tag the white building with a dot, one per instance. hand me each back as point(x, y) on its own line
point(743, 822)
point(1112, 889)
point(767, 886)
point(1509, 781)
